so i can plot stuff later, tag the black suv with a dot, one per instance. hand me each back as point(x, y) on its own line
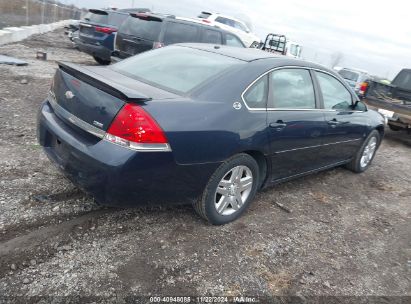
point(145, 31)
point(97, 32)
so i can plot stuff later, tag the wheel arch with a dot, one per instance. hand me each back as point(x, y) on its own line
point(262, 164)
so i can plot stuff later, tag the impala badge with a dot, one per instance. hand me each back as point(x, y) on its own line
point(237, 105)
point(69, 95)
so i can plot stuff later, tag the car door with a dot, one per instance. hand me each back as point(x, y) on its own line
point(296, 125)
point(346, 127)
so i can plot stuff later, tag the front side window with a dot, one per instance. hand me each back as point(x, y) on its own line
point(292, 89)
point(256, 95)
point(211, 36)
point(175, 68)
point(180, 33)
point(335, 95)
point(232, 40)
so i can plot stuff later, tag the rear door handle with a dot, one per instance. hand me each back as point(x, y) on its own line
point(279, 124)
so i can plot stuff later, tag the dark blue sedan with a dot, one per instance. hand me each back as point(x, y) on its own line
point(203, 124)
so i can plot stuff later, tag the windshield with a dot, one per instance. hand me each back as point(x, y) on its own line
point(175, 68)
point(349, 75)
point(145, 29)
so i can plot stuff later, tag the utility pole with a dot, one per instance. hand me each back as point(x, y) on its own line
point(42, 12)
point(27, 12)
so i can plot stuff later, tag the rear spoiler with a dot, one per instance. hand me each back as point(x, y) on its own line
point(145, 16)
point(98, 12)
point(102, 83)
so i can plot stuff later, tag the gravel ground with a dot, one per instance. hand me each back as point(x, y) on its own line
point(339, 233)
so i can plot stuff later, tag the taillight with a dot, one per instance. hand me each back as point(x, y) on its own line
point(363, 88)
point(206, 21)
point(157, 45)
point(106, 30)
point(135, 129)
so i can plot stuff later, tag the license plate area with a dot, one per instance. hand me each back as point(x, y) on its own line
point(60, 148)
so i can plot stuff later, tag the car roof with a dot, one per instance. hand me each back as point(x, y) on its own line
point(252, 54)
point(222, 15)
point(354, 70)
point(245, 54)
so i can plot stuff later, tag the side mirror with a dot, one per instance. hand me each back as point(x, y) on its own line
point(358, 105)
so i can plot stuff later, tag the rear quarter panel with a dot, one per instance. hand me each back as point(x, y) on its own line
point(205, 127)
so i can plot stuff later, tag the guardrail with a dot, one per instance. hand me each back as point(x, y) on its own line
point(14, 34)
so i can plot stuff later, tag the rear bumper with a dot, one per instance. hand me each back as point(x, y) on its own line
point(117, 176)
point(115, 59)
point(92, 49)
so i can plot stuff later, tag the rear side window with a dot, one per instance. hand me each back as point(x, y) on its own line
point(145, 29)
point(292, 89)
point(179, 33)
point(335, 95)
point(210, 36)
point(176, 68)
point(232, 40)
point(256, 95)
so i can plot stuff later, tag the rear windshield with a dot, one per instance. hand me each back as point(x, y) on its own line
point(403, 80)
point(145, 29)
point(349, 75)
point(204, 15)
point(110, 18)
point(175, 68)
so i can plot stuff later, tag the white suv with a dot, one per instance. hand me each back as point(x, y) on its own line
point(231, 24)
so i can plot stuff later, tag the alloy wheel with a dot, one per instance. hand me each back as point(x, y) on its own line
point(368, 152)
point(233, 190)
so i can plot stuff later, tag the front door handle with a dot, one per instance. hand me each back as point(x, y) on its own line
point(334, 122)
point(279, 124)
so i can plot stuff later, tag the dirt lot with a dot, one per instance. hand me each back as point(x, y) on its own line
point(344, 234)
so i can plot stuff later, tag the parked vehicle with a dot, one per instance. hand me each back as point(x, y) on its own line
point(71, 30)
point(354, 77)
point(392, 100)
point(231, 24)
point(143, 32)
point(98, 30)
point(204, 124)
point(279, 44)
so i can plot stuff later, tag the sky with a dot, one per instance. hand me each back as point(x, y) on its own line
point(371, 35)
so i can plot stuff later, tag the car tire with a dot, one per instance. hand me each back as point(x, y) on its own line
point(230, 190)
point(363, 159)
point(101, 61)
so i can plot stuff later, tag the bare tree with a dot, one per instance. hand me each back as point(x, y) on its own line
point(336, 58)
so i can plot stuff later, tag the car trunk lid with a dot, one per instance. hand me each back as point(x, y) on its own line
point(94, 95)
